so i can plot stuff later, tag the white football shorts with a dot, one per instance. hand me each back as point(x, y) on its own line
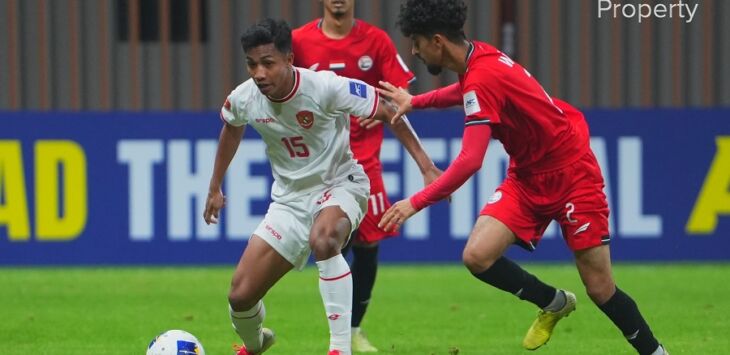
point(288, 221)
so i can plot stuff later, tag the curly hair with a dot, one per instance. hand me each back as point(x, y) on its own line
point(265, 32)
point(428, 17)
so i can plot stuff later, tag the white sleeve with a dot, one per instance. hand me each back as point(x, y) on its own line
point(232, 113)
point(352, 96)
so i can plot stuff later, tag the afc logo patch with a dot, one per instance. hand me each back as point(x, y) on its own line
point(305, 119)
point(358, 89)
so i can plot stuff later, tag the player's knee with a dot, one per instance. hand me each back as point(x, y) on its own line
point(475, 261)
point(600, 290)
point(240, 297)
point(325, 242)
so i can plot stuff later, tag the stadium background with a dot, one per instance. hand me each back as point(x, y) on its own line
point(109, 125)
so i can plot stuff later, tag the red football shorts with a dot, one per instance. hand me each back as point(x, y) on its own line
point(573, 196)
point(378, 203)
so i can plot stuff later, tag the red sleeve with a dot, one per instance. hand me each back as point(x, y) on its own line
point(483, 97)
point(440, 98)
point(473, 147)
point(394, 70)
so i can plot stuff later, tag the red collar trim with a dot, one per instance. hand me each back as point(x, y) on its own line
point(293, 90)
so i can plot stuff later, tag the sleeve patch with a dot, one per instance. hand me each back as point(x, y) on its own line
point(358, 89)
point(471, 104)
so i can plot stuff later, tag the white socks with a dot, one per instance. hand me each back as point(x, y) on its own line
point(248, 325)
point(335, 286)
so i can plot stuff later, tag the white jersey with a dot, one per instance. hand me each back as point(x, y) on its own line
point(307, 133)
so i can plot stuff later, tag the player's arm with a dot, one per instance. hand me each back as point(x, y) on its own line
point(447, 96)
point(467, 163)
point(404, 132)
point(440, 98)
point(228, 141)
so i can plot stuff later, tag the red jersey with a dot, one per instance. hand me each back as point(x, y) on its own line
point(538, 132)
point(367, 54)
point(503, 100)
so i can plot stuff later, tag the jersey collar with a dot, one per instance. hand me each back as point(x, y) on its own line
point(291, 93)
point(469, 51)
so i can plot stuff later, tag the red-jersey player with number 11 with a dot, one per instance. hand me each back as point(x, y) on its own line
point(356, 49)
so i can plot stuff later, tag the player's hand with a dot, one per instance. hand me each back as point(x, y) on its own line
point(399, 97)
point(396, 215)
point(213, 205)
point(431, 175)
point(368, 123)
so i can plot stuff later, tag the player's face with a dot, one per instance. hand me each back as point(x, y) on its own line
point(428, 51)
point(270, 69)
point(338, 7)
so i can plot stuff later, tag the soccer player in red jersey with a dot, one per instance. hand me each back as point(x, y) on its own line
point(552, 175)
point(356, 49)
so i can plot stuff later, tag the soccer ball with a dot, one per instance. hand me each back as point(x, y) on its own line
point(175, 342)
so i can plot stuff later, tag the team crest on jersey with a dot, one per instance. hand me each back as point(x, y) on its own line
point(305, 119)
point(495, 197)
point(365, 63)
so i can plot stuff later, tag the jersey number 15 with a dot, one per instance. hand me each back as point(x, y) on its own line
point(296, 147)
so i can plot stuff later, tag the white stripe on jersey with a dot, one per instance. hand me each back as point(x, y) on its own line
point(402, 63)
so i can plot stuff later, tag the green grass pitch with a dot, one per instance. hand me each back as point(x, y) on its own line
point(424, 309)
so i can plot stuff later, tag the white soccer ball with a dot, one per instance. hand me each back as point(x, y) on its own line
point(175, 342)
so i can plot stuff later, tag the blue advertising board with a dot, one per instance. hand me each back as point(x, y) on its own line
point(129, 188)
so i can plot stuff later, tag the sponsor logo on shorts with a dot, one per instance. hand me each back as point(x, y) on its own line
point(582, 228)
point(495, 197)
point(273, 232)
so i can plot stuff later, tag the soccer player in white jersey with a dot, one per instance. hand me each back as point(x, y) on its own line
point(319, 194)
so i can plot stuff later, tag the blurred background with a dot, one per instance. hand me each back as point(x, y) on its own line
point(136, 55)
point(109, 125)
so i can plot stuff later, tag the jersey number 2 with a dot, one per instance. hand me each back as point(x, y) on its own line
point(296, 147)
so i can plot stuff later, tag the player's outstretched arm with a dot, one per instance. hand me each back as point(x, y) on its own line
point(447, 96)
point(228, 141)
point(468, 162)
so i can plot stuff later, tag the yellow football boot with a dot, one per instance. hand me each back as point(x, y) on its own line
point(542, 328)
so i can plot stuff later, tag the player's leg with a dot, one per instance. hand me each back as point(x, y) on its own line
point(259, 268)
point(594, 266)
point(483, 256)
point(339, 211)
point(364, 270)
point(509, 217)
point(365, 246)
point(329, 234)
point(584, 222)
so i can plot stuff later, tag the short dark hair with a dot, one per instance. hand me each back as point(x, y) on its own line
point(429, 17)
point(268, 31)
